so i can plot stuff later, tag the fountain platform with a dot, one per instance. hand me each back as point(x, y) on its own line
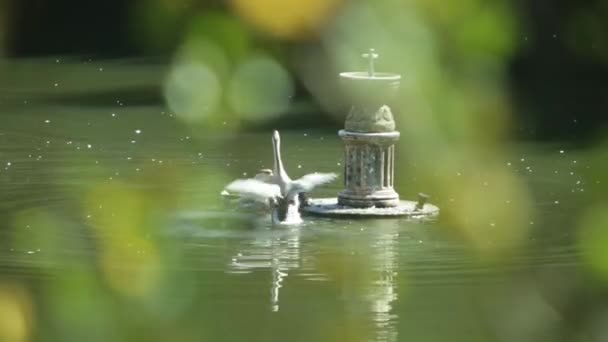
point(408, 209)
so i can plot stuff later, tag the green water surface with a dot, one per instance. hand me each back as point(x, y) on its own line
point(113, 229)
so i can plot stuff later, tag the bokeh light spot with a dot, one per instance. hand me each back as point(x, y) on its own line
point(129, 258)
point(260, 88)
point(286, 18)
point(593, 240)
point(15, 314)
point(225, 31)
point(192, 91)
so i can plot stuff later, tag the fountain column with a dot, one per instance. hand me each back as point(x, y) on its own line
point(369, 137)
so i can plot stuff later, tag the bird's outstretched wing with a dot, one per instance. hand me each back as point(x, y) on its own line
point(254, 189)
point(312, 180)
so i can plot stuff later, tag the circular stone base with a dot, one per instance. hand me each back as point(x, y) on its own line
point(330, 207)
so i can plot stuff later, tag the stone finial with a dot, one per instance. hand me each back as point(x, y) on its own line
point(359, 120)
point(371, 55)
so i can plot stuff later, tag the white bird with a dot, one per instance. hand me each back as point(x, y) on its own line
point(278, 190)
point(254, 189)
point(289, 187)
point(264, 175)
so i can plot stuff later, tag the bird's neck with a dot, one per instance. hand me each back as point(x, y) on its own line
point(279, 171)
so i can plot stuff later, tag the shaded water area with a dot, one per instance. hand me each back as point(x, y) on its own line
point(113, 229)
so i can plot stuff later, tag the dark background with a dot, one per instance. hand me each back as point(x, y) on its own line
point(558, 77)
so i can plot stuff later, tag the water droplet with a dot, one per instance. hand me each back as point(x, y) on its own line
point(113, 115)
point(299, 166)
point(556, 202)
point(47, 121)
point(138, 131)
point(89, 146)
point(100, 69)
point(56, 84)
point(561, 151)
point(132, 141)
point(8, 164)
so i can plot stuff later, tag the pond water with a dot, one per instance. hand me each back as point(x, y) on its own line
point(113, 229)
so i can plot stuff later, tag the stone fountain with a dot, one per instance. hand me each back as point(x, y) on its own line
point(369, 137)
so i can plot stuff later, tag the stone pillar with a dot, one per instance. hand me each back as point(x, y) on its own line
point(369, 137)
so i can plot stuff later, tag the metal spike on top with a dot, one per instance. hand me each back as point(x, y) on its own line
point(371, 55)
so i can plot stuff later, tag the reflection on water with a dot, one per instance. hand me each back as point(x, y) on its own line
point(384, 291)
point(279, 252)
